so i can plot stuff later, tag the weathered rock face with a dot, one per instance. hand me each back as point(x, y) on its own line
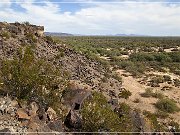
point(76, 94)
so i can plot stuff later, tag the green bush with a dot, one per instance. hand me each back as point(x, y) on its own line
point(157, 79)
point(153, 119)
point(158, 95)
point(98, 116)
point(26, 77)
point(161, 114)
point(49, 39)
point(177, 82)
point(117, 77)
point(167, 105)
point(167, 78)
point(31, 37)
point(26, 23)
point(124, 94)
point(6, 35)
point(149, 93)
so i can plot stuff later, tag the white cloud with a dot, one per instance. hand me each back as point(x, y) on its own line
point(101, 18)
point(5, 4)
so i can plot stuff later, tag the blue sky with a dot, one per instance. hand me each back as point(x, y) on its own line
point(144, 17)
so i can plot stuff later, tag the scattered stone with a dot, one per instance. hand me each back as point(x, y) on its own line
point(21, 113)
point(33, 109)
point(14, 103)
point(5, 131)
point(51, 114)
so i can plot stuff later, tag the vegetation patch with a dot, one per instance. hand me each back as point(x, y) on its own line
point(28, 78)
point(167, 105)
point(149, 93)
point(124, 94)
point(97, 115)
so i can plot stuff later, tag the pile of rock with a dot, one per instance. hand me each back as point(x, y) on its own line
point(21, 118)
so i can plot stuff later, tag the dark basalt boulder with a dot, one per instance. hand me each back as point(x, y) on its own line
point(73, 120)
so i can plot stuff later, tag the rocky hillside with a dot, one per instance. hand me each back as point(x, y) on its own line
point(48, 87)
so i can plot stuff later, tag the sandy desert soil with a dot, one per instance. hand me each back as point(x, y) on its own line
point(132, 84)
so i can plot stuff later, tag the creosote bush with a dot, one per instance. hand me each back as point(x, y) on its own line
point(125, 94)
point(97, 115)
point(6, 34)
point(176, 82)
point(149, 93)
point(25, 77)
point(167, 105)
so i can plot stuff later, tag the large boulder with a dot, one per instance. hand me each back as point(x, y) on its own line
point(73, 120)
point(77, 92)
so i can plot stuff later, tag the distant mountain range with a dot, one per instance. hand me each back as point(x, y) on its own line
point(68, 34)
point(57, 34)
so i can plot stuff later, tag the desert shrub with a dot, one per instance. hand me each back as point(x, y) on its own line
point(176, 82)
point(117, 77)
point(141, 57)
point(148, 93)
point(157, 79)
point(49, 39)
point(26, 23)
point(124, 112)
point(6, 34)
point(137, 100)
point(104, 80)
point(162, 57)
point(124, 94)
point(26, 77)
point(176, 126)
point(175, 56)
point(135, 68)
point(161, 114)
point(157, 95)
point(167, 105)
point(159, 57)
point(60, 55)
point(161, 49)
point(167, 78)
point(31, 37)
point(98, 116)
point(153, 118)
